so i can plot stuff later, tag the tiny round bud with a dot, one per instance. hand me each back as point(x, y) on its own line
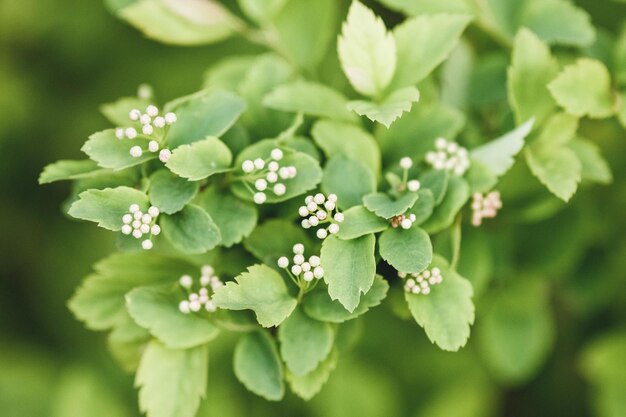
point(314, 221)
point(283, 262)
point(153, 146)
point(277, 154)
point(406, 163)
point(133, 208)
point(338, 217)
point(283, 173)
point(247, 166)
point(296, 270)
point(410, 283)
point(136, 151)
point(153, 211)
point(332, 197)
point(152, 110)
point(298, 259)
point(416, 290)
point(412, 217)
point(119, 133)
point(318, 272)
point(305, 224)
point(306, 266)
point(308, 199)
point(137, 215)
point(259, 198)
point(260, 184)
point(292, 171)
point(131, 132)
point(165, 155)
point(322, 233)
point(314, 261)
point(319, 198)
point(271, 177)
point(207, 270)
point(147, 130)
point(436, 271)
point(204, 281)
point(185, 281)
point(134, 115)
point(333, 228)
point(136, 224)
point(170, 118)
point(303, 211)
point(210, 306)
point(127, 229)
point(195, 306)
point(183, 306)
point(298, 248)
point(159, 122)
point(280, 189)
point(146, 218)
point(308, 276)
point(426, 290)
point(155, 229)
point(137, 234)
point(145, 119)
point(330, 205)
point(127, 218)
point(273, 166)
point(146, 244)
point(311, 206)
point(413, 185)
point(441, 143)
point(144, 228)
point(452, 147)
point(259, 163)
point(321, 214)
point(406, 223)
point(426, 274)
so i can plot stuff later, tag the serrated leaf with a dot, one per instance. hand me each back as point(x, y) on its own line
point(349, 179)
point(172, 381)
point(106, 207)
point(110, 152)
point(257, 365)
point(594, 167)
point(557, 168)
point(389, 109)
point(319, 305)
point(262, 290)
point(200, 160)
point(69, 170)
point(191, 230)
point(359, 221)
point(386, 207)
point(349, 268)
point(584, 88)
point(170, 193)
point(156, 309)
point(447, 312)
point(275, 238)
point(117, 111)
point(406, 250)
point(558, 22)
point(457, 194)
point(306, 386)
point(367, 51)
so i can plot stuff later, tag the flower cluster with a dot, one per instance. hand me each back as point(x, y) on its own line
point(412, 185)
point(449, 156)
point(301, 268)
point(419, 283)
point(485, 206)
point(263, 175)
point(318, 210)
point(137, 224)
point(404, 221)
point(207, 284)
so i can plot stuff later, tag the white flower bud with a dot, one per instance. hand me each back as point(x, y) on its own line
point(136, 151)
point(314, 221)
point(305, 224)
point(146, 244)
point(204, 281)
point(426, 290)
point(155, 229)
point(195, 306)
point(413, 185)
point(319, 198)
point(153, 146)
point(406, 223)
point(207, 270)
point(298, 259)
point(332, 197)
point(330, 205)
point(183, 306)
point(435, 271)
point(271, 177)
point(165, 155)
point(127, 218)
point(441, 143)
point(260, 184)
point(159, 122)
point(308, 276)
point(133, 208)
point(277, 154)
point(333, 228)
point(145, 229)
point(119, 133)
point(126, 229)
point(131, 132)
point(305, 266)
point(298, 248)
point(137, 234)
point(280, 189)
point(145, 119)
point(308, 199)
point(406, 163)
point(311, 206)
point(283, 262)
point(136, 224)
point(259, 198)
point(153, 211)
point(321, 214)
point(259, 163)
point(296, 270)
point(247, 166)
point(137, 215)
point(292, 171)
point(152, 110)
point(170, 118)
point(318, 272)
point(283, 173)
point(303, 211)
point(210, 306)
point(273, 166)
point(338, 217)
point(412, 217)
point(452, 147)
point(314, 261)
point(134, 115)
point(185, 281)
point(146, 218)
point(322, 233)
point(147, 130)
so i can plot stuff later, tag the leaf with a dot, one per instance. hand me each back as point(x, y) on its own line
point(307, 386)
point(558, 168)
point(406, 250)
point(559, 22)
point(262, 290)
point(532, 68)
point(181, 22)
point(390, 109)
point(170, 193)
point(584, 88)
point(110, 152)
point(236, 219)
point(262, 12)
point(304, 342)
point(358, 221)
point(191, 230)
point(457, 194)
point(349, 179)
point(200, 160)
point(106, 207)
point(69, 170)
point(424, 42)
point(384, 206)
point(319, 305)
point(413, 8)
point(367, 51)
point(206, 114)
point(447, 312)
point(423, 207)
point(349, 268)
point(498, 154)
point(347, 139)
point(172, 382)
point(228, 73)
point(275, 238)
point(594, 166)
point(436, 181)
point(117, 112)
point(258, 367)
point(309, 98)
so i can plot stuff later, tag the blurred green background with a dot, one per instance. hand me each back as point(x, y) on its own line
point(60, 59)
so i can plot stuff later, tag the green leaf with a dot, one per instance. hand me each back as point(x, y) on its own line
point(558, 22)
point(347, 139)
point(423, 207)
point(594, 166)
point(349, 179)
point(257, 365)
point(275, 238)
point(367, 51)
point(557, 168)
point(106, 207)
point(390, 108)
point(261, 11)
point(69, 170)
point(156, 309)
point(262, 290)
point(384, 206)
point(127, 342)
point(228, 73)
point(184, 22)
point(359, 221)
point(498, 154)
point(480, 178)
point(413, 8)
point(457, 194)
point(172, 382)
point(349, 268)
point(200, 160)
point(236, 219)
point(319, 305)
point(304, 342)
point(424, 42)
point(406, 250)
point(532, 68)
point(309, 98)
point(584, 88)
point(437, 182)
point(191, 230)
point(170, 193)
point(117, 112)
point(447, 312)
point(203, 115)
point(307, 386)
point(110, 152)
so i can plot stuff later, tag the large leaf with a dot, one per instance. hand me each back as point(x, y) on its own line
point(498, 154)
point(359, 221)
point(170, 193)
point(110, 152)
point(349, 179)
point(200, 159)
point(106, 207)
point(406, 250)
point(191, 230)
point(258, 367)
point(390, 108)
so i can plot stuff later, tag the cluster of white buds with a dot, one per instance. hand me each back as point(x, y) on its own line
point(137, 224)
point(412, 185)
point(449, 156)
point(150, 120)
point(420, 283)
point(485, 206)
point(403, 221)
point(301, 268)
point(264, 175)
point(318, 211)
point(207, 284)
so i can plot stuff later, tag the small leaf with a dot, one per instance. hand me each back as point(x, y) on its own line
point(436, 181)
point(69, 170)
point(200, 159)
point(307, 386)
point(456, 196)
point(594, 166)
point(156, 309)
point(106, 207)
point(557, 168)
point(423, 207)
point(262, 290)
point(406, 250)
point(385, 207)
point(258, 367)
point(275, 238)
point(349, 179)
point(389, 109)
point(358, 221)
point(110, 152)
point(191, 230)
point(117, 112)
point(170, 193)
point(559, 22)
point(367, 51)
point(349, 268)
point(172, 382)
point(447, 312)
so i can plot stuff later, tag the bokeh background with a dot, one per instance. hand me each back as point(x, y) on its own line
point(60, 59)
